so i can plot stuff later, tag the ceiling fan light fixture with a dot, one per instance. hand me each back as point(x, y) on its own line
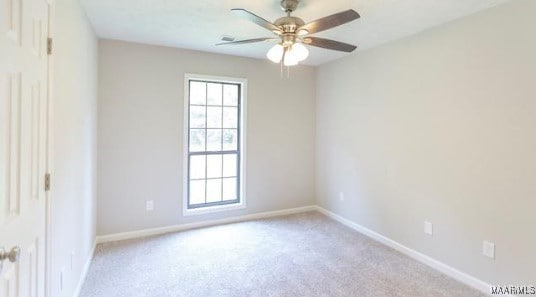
point(275, 54)
point(299, 51)
point(290, 58)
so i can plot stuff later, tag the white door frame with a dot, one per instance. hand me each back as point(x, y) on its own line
point(49, 146)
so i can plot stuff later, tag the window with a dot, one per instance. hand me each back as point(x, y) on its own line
point(214, 143)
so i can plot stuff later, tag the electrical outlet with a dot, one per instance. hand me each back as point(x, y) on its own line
point(488, 249)
point(341, 196)
point(428, 228)
point(149, 205)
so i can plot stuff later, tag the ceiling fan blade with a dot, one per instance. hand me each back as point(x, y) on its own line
point(329, 44)
point(247, 41)
point(256, 19)
point(331, 21)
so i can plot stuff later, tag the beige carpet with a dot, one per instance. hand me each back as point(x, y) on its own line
point(299, 255)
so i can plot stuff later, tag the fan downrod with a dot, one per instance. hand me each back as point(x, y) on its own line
point(289, 6)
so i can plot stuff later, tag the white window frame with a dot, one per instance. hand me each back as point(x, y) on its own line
point(242, 145)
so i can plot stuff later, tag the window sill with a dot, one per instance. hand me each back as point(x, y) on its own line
point(212, 209)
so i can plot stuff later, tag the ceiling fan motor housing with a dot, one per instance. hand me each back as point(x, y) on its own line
point(288, 39)
point(289, 24)
point(289, 5)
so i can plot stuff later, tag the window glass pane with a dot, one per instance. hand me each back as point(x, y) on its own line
point(214, 117)
point(230, 95)
point(197, 140)
point(198, 92)
point(197, 191)
point(230, 139)
point(214, 140)
point(213, 190)
point(197, 116)
point(230, 117)
point(214, 94)
point(213, 127)
point(229, 165)
point(197, 167)
point(229, 189)
point(214, 163)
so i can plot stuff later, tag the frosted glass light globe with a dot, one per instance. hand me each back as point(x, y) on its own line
point(290, 58)
point(300, 52)
point(275, 54)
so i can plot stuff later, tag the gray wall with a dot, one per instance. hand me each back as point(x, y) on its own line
point(74, 145)
point(439, 126)
point(141, 134)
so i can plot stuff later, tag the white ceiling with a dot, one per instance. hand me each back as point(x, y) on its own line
point(200, 24)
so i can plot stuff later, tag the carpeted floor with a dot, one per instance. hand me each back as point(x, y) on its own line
point(299, 255)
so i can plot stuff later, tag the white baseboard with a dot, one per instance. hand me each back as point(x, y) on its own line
point(182, 227)
point(85, 270)
point(437, 265)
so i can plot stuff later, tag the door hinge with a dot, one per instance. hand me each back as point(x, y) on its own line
point(49, 46)
point(47, 182)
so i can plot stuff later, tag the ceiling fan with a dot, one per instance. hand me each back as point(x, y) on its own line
point(292, 33)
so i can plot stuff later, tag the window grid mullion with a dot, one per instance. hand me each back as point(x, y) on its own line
point(221, 193)
point(212, 105)
point(206, 140)
point(214, 153)
point(212, 178)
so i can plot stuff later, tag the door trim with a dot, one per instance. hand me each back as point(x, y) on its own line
point(48, 155)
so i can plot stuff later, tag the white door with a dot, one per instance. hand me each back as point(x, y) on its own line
point(23, 145)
